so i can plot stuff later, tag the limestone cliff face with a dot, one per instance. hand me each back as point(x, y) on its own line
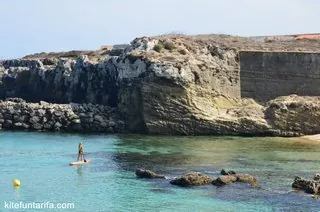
point(179, 86)
point(59, 81)
point(192, 87)
point(176, 85)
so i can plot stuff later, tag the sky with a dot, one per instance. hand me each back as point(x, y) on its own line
point(30, 26)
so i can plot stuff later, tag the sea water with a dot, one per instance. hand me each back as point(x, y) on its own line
point(40, 161)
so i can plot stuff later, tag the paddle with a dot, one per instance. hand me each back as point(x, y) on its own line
point(83, 158)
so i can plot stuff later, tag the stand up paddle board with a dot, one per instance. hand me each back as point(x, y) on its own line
point(79, 162)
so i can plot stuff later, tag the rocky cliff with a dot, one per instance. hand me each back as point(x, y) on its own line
point(171, 83)
point(160, 85)
point(59, 80)
point(187, 86)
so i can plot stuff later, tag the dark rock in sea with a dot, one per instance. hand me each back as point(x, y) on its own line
point(224, 180)
point(316, 176)
point(224, 172)
point(246, 178)
point(232, 177)
point(308, 186)
point(142, 173)
point(192, 179)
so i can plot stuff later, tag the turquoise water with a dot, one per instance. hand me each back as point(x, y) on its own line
point(40, 162)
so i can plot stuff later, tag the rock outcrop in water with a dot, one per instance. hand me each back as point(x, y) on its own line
point(308, 186)
point(192, 179)
point(199, 179)
point(224, 180)
point(233, 177)
point(16, 114)
point(142, 173)
point(230, 172)
point(176, 85)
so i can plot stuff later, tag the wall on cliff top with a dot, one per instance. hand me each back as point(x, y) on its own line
point(267, 75)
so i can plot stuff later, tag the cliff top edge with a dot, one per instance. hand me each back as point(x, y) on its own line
point(306, 43)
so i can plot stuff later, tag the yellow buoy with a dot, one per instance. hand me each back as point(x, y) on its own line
point(16, 182)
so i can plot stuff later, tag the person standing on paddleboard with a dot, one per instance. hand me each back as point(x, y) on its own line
point(80, 152)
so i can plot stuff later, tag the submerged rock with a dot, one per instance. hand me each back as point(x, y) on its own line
point(192, 179)
point(142, 173)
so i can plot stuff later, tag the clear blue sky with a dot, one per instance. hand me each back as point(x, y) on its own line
point(29, 26)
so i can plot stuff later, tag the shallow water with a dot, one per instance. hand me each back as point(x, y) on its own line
point(40, 162)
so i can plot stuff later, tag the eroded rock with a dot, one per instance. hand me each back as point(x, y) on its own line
point(246, 178)
point(224, 180)
point(142, 173)
point(224, 172)
point(192, 179)
point(308, 186)
point(229, 177)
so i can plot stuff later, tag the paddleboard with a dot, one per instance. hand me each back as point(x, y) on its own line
point(79, 163)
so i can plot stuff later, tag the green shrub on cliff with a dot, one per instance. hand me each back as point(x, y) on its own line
point(169, 45)
point(158, 47)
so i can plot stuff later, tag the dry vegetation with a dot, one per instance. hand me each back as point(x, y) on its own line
point(184, 43)
point(94, 56)
point(248, 44)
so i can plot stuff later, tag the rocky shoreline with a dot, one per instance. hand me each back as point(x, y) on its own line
point(17, 114)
